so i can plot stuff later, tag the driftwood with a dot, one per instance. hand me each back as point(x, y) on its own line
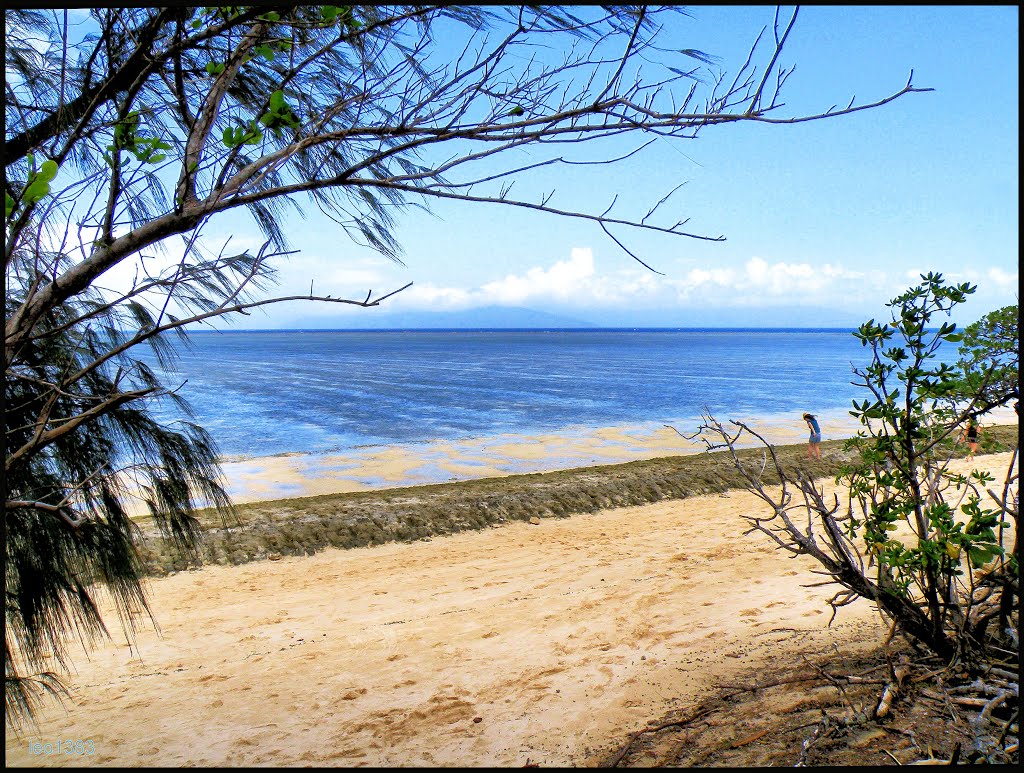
point(987, 720)
point(656, 728)
point(892, 689)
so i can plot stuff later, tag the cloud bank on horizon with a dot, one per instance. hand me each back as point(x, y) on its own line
point(577, 286)
point(617, 292)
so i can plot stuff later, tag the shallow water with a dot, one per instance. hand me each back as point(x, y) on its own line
point(265, 393)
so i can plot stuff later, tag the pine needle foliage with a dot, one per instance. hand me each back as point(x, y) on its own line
point(68, 531)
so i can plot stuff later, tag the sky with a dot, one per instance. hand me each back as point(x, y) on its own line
point(823, 222)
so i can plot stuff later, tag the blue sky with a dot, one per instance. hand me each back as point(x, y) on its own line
point(824, 222)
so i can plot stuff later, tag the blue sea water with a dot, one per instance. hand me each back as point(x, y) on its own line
point(261, 393)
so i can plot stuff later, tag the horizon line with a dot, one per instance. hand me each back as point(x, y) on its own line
point(549, 329)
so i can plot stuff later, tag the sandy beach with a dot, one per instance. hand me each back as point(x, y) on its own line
point(518, 644)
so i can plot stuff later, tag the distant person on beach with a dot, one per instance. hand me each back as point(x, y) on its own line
point(970, 435)
point(814, 441)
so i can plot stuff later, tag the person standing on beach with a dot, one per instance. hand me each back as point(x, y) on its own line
point(970, 434)
point(814, 441)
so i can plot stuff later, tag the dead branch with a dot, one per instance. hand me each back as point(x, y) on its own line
point(657, 728)
point(891, 691)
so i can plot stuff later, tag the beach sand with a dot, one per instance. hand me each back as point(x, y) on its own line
point(545, 644)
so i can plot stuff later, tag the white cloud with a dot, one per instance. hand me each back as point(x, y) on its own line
point(704, 278)
point(432, 297)
point(565, 279)
point(578, 283)
point(1003, 279)
point(760, 283)
point(993, 280)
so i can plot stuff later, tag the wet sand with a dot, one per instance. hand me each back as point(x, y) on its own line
point(386, 466)
point(543, 643)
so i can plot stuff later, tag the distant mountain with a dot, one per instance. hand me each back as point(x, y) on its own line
point(503, 317)
point(489, 316)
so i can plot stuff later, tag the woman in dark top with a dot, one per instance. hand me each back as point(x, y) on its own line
point(970, 434)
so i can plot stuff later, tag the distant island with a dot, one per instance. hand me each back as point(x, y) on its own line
point(486, 317)
point(501, 317)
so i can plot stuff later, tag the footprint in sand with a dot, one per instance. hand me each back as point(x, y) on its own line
point(451, 709)
point(550, 671)
point(750, 613)
point(353, 752)
point(212, 678)
point(643, 631)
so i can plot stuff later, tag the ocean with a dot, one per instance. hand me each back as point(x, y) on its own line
point(264, 393)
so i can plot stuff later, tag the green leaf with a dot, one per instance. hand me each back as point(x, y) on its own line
point(277, 103)
point(517, 110)
point(48, 171)
point(981, 556)
point(35, 191)
point(10, 204)
point(39, 182)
